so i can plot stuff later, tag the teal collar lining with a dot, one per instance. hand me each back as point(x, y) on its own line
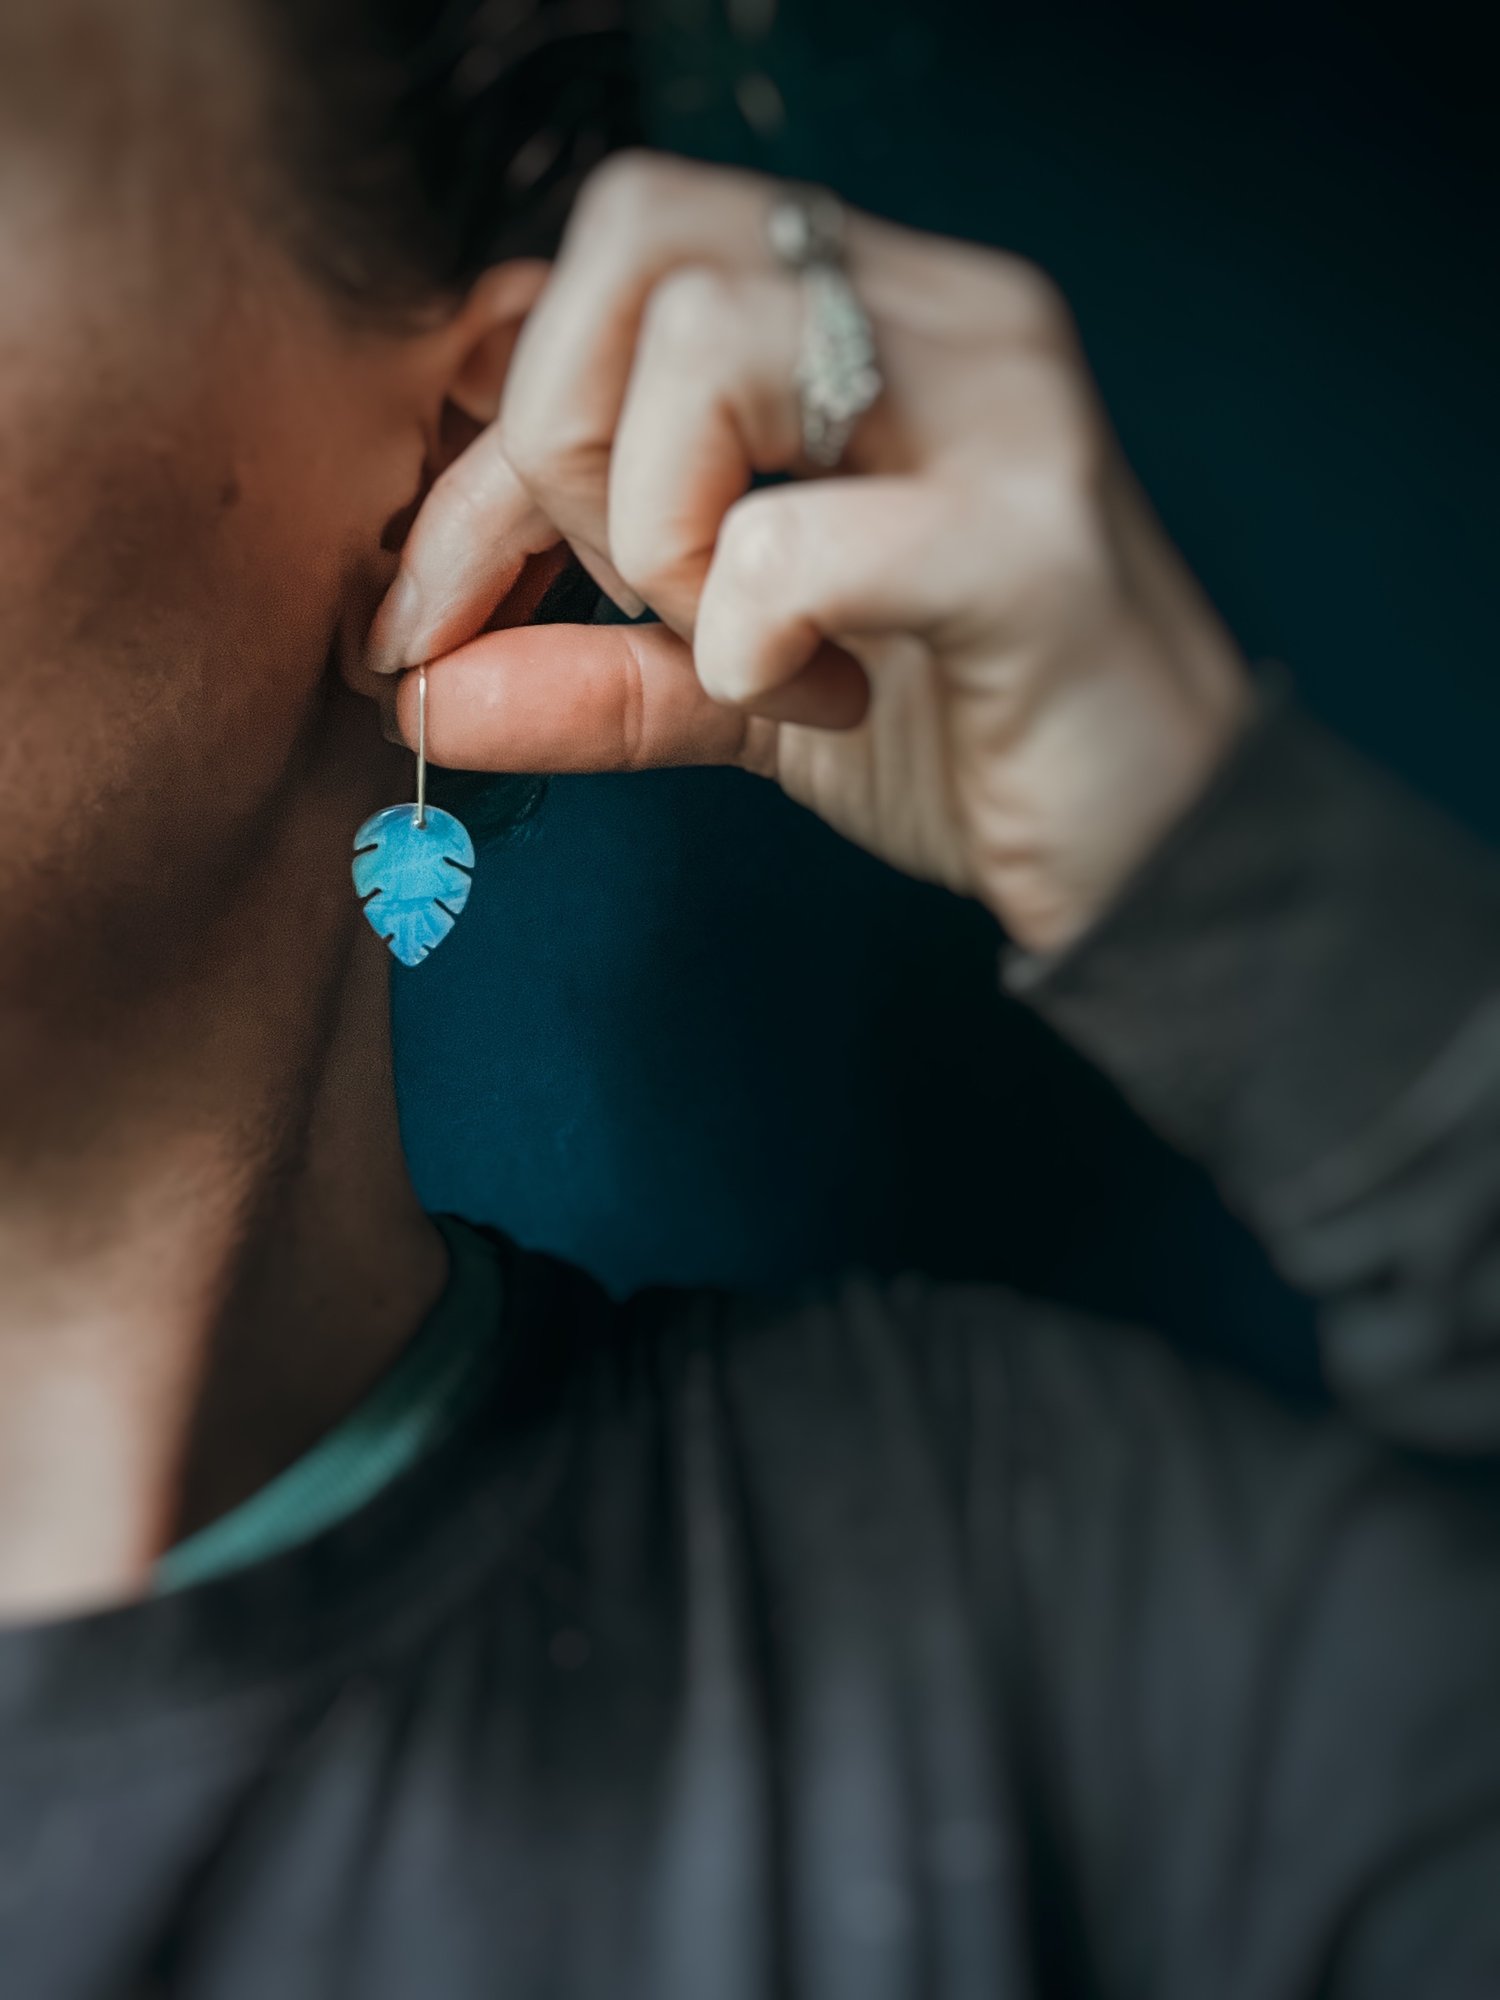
point(404, 1417)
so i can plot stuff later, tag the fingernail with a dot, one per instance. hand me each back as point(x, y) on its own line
point(609, 580)
point(395, 626)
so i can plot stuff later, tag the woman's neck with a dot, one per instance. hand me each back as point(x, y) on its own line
point(209, 1242)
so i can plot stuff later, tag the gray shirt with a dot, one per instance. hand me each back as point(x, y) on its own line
point(902, 1641)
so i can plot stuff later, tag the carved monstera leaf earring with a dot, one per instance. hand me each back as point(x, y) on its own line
point(413, 864)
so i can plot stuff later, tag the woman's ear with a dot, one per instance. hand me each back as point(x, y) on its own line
point(449, 380)
point(484, 332)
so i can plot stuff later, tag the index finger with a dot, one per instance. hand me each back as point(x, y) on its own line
point(473, 536)
point(639, 217)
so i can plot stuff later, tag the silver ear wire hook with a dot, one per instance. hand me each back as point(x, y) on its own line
point(421, 746)
point(413, 868)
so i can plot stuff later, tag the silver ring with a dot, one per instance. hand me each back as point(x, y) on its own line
point(838, 377)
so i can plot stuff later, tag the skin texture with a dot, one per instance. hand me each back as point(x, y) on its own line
point(209, 1242)
point(979, 657)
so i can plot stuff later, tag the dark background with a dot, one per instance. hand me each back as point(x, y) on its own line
point(686, 1033)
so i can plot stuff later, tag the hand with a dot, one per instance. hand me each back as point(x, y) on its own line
point(973, 651)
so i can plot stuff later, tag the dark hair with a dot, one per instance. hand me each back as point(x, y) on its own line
point(414, 142)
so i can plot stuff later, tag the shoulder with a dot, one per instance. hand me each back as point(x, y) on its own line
point(863, 1380)
point(1097, 1439)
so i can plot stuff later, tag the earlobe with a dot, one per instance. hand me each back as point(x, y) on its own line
point(487, 327)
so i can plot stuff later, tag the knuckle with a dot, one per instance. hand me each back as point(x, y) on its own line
point(1060, 566)
point(1047, 459)
point(1041, 298)
point(632, 714)
point(1044, 510)
point(620, 195)
point(1049, 520)
point(1034, 305)
point(688, 310)
point(758, 544)
point(1071, 450)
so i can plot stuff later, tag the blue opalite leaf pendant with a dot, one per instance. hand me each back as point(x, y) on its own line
point(412, 872)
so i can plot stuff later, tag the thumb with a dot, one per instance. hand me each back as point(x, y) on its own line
point(561, 698)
